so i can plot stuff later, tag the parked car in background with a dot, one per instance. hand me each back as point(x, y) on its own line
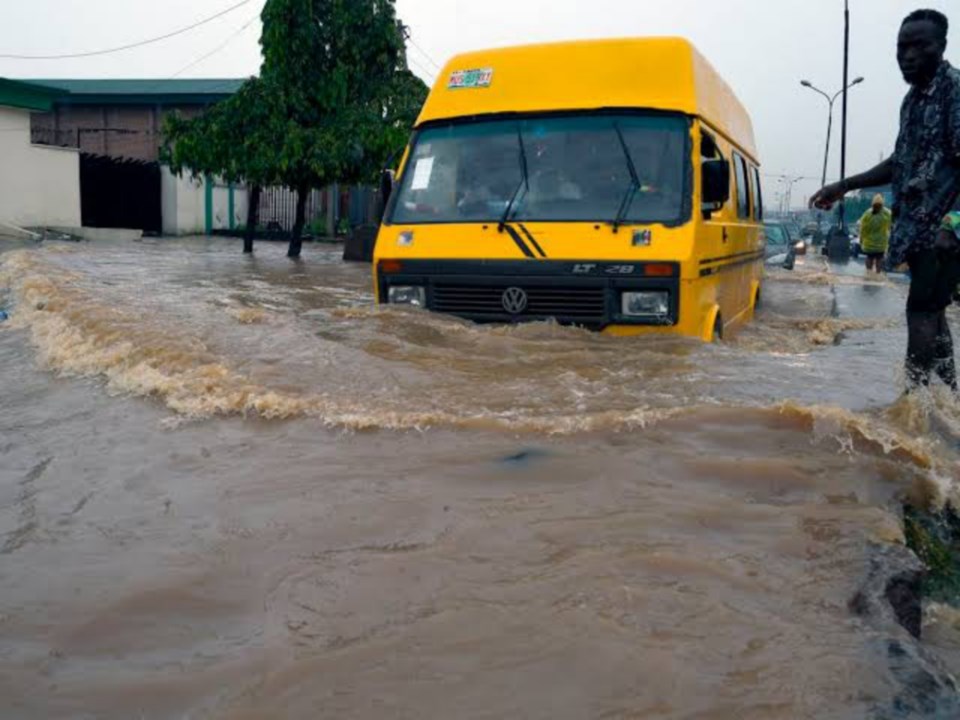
point(802, 235)
point(781, 248)
point(800, 241)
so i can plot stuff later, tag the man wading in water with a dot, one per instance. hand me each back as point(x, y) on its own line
point(925, 172)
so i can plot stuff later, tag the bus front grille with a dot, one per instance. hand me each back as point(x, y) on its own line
point(571, 304)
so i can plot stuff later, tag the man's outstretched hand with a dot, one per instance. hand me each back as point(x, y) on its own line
point(826, 197)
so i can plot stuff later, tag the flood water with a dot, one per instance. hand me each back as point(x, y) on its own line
point(232, 488)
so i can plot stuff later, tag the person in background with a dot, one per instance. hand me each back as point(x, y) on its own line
point(875, 234)
point(925, 173)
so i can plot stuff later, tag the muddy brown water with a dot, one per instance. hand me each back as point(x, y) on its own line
point(232, 488)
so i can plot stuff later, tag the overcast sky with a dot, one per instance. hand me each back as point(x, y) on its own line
point(762, 47)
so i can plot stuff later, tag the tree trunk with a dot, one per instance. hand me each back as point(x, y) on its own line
point(296, 237)
point(253, 217)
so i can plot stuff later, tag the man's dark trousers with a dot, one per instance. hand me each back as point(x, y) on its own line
point(934, 275)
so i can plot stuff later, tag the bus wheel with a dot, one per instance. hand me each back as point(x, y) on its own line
point(717, 329)
point(757, 300)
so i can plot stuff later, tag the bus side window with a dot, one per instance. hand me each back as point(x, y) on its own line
point(743, 186)
point(758, 205)
point(709, 150)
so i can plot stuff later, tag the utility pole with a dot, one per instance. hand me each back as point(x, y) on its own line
point(786, 197)
point(846, 92)
point(838, 239)
point(831, 99)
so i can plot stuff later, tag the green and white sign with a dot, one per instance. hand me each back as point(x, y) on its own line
point(471, 79)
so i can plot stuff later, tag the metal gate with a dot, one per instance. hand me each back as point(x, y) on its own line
point(120, 193)
point(278, 208)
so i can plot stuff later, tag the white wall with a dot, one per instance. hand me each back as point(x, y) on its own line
point(182, 200)
point(241, 201)
point(221, 206)
point(39, 185)
point(184, 204)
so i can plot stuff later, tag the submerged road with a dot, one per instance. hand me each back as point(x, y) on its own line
point(231, 488)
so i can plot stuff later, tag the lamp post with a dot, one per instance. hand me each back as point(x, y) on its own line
point(846, 93)
point(787, 197)
point(831, 99)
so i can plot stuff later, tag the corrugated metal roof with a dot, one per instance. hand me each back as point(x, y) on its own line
point(27, 96)
point(220, 86)
point(143, 92)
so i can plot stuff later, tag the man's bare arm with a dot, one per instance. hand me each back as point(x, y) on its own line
point(826, 197)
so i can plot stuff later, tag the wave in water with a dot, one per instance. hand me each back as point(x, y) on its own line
point(76, 333)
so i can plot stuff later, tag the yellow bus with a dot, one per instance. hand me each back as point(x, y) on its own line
point(610, 184)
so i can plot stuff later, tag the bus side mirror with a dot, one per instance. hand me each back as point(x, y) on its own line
point(387, 182)
point(716, 182)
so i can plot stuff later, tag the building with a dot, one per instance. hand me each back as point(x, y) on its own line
point(121, 118)
point(39, 186)
point(115, 127)
point(113, 131)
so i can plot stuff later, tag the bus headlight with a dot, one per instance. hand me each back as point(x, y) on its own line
point(407, 295)
point(646, 303)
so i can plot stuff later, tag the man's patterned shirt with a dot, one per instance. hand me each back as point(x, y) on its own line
point(926, 164)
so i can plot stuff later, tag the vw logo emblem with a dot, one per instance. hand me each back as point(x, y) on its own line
point(514, 300)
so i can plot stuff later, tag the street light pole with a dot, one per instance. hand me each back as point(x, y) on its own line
point(826, 154)
point(786, 199)
point(831, 99)
point(846, 88)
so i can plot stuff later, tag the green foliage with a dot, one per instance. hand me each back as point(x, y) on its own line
point(404, 101)
point(317, 228)
point(935, 538)
point(232, 139)
point(334, 67)
point(334, 100)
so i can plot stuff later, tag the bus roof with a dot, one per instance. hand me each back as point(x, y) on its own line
point(651, 73)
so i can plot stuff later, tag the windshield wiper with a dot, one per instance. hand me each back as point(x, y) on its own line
point(634, 182)
point(524, 183)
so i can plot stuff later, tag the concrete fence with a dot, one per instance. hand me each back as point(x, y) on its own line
point(39, 185)
point(200, 206)
point(197, 206)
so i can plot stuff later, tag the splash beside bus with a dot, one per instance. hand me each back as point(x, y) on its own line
point(612, 185)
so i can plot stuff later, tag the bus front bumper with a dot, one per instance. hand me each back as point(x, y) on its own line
point(595, 295)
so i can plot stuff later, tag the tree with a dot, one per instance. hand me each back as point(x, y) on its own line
point(405, 98)
point(333, 101)
point(233, 139)
point(332, 65)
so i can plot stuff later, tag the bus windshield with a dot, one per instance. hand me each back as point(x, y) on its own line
point(557, 169)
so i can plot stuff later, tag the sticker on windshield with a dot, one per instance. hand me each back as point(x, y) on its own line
point(422, 174)
point(468, 79)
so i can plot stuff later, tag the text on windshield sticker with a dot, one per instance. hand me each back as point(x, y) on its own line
point(467, 79)
point(422, 173)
